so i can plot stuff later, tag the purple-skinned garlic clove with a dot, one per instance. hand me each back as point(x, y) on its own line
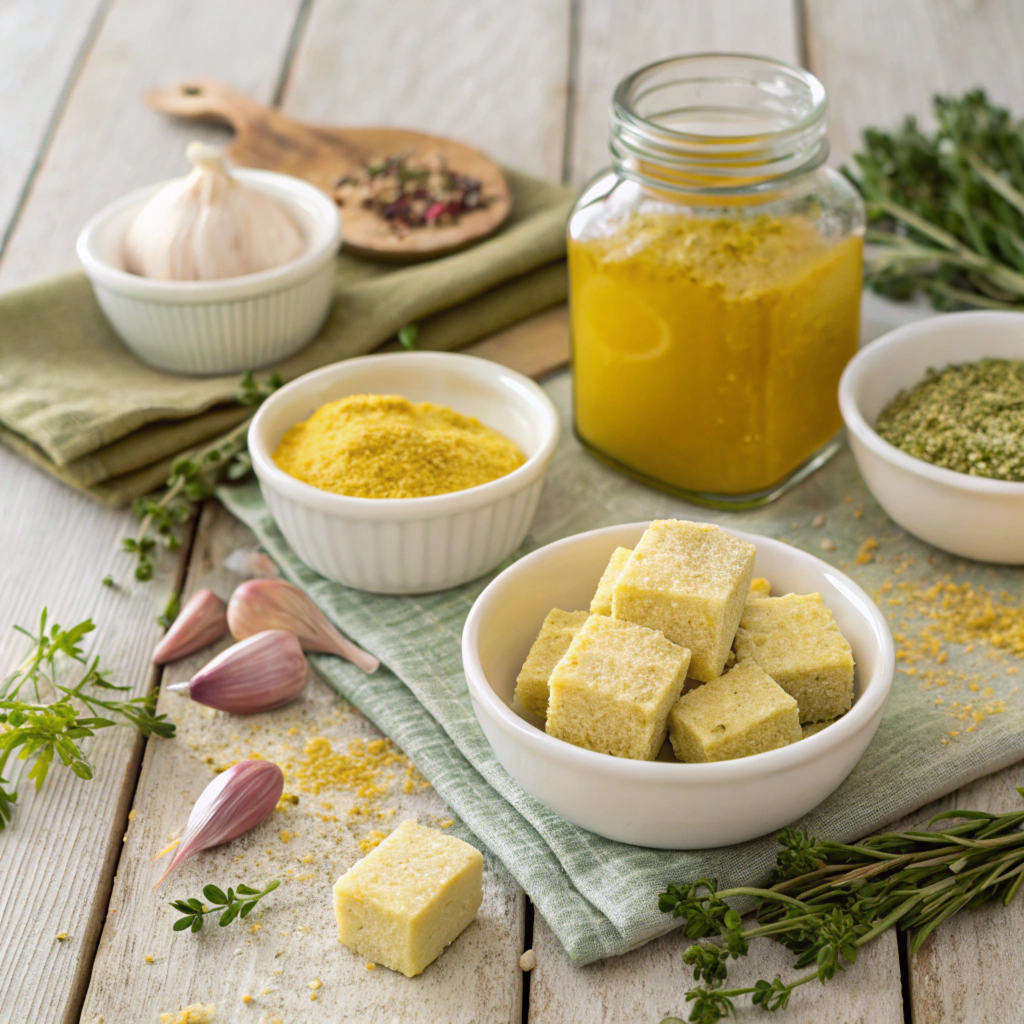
point(261, 672)
point(235, 801)
point(257, 605)
point(201, 622)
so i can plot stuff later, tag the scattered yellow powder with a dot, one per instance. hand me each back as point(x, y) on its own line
point(315, 984)
point(62, 936)
point(370, 966)
point(384, 446)
point(246, 999)
point(131, 815)
point(286, 836)
point(312, 995)
point(866, 552)
point(197, 1013)
point(372, 840)
point(149, 958)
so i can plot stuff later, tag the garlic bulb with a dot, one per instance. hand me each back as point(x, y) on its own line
point(209, 226)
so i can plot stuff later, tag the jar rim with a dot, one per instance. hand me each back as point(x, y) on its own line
point(779, 133)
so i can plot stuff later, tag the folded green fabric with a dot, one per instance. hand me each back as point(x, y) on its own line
point(600, 897)
point(79, 404)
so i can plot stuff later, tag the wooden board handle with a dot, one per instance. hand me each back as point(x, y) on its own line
point(210, 100)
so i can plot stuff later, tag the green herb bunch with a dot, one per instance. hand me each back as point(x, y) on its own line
point(946, 207)
point(826, 900)
point(40, 729)
point(229, 905)
point(193, 477)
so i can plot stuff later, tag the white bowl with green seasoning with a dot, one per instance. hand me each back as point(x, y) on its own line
point(971, 516)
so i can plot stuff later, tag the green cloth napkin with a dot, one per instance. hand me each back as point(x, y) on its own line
point(600, 897)
point(78, 403)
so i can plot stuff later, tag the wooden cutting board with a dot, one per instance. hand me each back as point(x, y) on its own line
point(268, 139)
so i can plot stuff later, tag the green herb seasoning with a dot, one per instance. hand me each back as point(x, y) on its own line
point(968, 418)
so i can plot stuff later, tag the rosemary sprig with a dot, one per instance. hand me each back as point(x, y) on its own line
point(229, 905)
point(40, 729)
point(826, 900)
point(193, 477)
point(947, 207)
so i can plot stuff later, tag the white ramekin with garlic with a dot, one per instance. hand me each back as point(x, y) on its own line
point(215, 273)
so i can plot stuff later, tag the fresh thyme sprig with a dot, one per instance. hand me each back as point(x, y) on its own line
point(229, 905)
point(40, 729)
point(193, 478)
point(946, 208)
point(826, 900)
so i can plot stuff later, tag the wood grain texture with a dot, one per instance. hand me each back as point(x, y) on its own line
point(59, 852)
point(880, 61)
point(650, 983)
point(41, 42)
point(489, 73)
point(292, 939)
point(969, 969)
point(619, 36)
point(107, 142)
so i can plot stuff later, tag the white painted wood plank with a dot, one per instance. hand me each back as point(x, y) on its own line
point(59, 852)
point(651, 983)
point(881, 60)
point(108, 142)
point(619, 36)
point(476, 979)
point(41, 42)
point(489, 73)
point(969, 968)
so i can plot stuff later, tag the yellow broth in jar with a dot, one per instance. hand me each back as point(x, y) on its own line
point(707, 352)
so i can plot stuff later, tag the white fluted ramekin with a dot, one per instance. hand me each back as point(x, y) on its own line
point(410, 545)
point(225, 326)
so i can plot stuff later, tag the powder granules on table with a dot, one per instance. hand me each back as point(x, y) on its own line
point(384, 446)
point(968, 418)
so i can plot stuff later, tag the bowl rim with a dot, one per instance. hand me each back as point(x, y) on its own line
point(539, 407)
point(294, 190)
point(867, 361)
point(875, 689)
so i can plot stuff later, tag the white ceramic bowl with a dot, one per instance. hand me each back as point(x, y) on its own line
point(410, 545)
point(226, 326)
point(970, 516)
point(654, 803)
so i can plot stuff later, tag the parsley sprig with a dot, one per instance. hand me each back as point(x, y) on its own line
point(946, 207)
point(193, 477)
point(229, 905)
point(42, 718)
point(826, 900)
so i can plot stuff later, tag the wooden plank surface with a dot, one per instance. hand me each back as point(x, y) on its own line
point(108, 143)
point(41, 43)
point(307, 845)
point(58, 853)
point(619, 36)
point(487, 73)
point(650, 983)
point(881, 60)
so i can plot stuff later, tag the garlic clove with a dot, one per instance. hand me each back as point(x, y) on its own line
point(257, 605)
point(209, 226)
point(235, 801)
point(261, 672)
point(202, 621)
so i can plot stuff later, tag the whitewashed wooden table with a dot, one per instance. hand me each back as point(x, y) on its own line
point(528, 81)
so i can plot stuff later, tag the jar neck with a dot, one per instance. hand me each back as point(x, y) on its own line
point(718, 125)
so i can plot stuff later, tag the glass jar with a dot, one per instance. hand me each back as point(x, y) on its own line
point(715, 281)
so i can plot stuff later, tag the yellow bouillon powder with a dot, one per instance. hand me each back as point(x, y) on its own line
point(384, 446)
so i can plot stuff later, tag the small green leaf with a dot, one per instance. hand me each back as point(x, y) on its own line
point(182, 923)
point(408, 336)
point(197, 923)
point(214, 895)
point(228, 916)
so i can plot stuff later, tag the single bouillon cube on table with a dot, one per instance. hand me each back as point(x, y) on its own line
point(741, 713)
point(409, 898)
point(689, 580)
point(552, 642)
point(796, 641)
point(612, 690)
